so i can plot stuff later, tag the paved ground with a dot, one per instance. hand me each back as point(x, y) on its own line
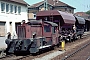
point(50, 56)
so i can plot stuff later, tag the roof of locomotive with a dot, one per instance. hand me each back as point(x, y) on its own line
point(40, 22)
point(35, 21)
point(53, 24)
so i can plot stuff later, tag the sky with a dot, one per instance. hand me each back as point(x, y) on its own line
point(80, 5)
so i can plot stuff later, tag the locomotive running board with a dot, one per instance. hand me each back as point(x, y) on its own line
point(41, 47)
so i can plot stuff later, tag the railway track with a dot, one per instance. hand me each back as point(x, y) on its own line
point(88, 58)
point(69, 57)
point(14, 57)
point(11, 57)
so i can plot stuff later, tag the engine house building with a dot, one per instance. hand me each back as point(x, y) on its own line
point(12, 12)
point(48, 5)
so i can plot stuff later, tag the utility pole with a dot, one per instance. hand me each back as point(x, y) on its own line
point(45, 4)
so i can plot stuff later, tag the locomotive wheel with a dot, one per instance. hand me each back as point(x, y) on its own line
point(80, 36)
point(70, 40)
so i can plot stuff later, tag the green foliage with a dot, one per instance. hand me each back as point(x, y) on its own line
point(88, 12)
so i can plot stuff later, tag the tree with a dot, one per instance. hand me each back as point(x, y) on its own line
point(88, 12)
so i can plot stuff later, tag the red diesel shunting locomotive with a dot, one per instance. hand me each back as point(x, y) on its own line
point(33, 36)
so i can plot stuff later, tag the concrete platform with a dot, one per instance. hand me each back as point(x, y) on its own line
point(50, 56)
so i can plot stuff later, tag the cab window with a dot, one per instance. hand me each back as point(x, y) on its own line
point(47, 28)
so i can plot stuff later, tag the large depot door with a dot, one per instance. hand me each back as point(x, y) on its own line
point(2, 28)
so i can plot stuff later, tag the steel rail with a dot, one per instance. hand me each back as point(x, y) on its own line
point(88, 58)
point(10, 56)
point(6, 56)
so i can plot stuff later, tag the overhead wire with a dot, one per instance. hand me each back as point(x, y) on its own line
point(84, 4)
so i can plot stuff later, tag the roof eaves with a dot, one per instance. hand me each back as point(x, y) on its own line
point(23, 3)
point(51, 4)
point(43, 3)
point(67, 4)
point(59, 6)
point(40, 4)
point(71, 7)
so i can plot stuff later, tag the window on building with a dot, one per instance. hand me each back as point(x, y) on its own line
point(19, 9)
point(65, 9)
point(11, 8)
point(2, 6)
point(7, 7)
point(70, 11)
point(15, 7)
point(47, 28)
point(34, 14)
